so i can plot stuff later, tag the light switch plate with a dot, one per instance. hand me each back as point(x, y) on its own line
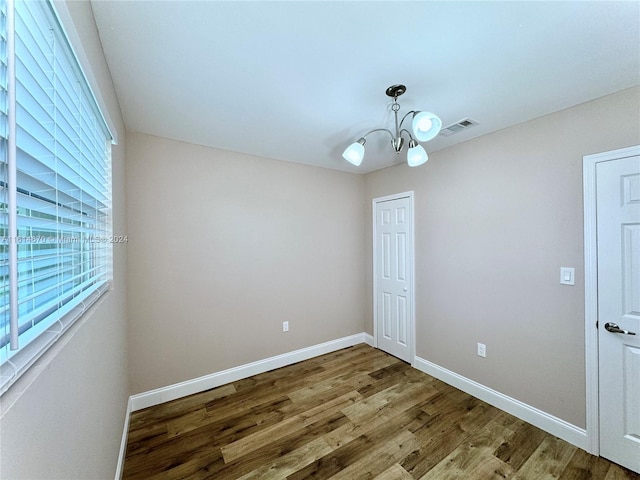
point(567, 276)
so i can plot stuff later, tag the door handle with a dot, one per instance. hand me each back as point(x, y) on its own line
point(613, 328)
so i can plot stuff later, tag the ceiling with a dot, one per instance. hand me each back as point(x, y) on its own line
point(301, 80)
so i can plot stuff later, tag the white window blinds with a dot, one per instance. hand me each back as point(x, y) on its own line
point(4, 135)
point(62, 189)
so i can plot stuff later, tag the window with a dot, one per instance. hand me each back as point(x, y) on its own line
point(55, 187)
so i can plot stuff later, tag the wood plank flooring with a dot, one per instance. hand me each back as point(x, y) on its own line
point(357, 413)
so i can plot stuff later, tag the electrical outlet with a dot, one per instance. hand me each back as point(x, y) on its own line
point(285, 326)
point(482, 350)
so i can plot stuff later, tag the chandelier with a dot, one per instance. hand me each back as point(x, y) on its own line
point(424, 127)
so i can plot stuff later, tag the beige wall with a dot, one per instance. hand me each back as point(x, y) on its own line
point(64, 418)
point(496, 218)
point(224, 247)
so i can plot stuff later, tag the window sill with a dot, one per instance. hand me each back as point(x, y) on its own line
point(17, 374)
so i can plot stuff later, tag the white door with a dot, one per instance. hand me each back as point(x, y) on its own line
point(618, 240)
point(393, 276)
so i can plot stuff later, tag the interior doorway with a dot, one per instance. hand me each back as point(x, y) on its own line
point(612, 304)
point(393, 275)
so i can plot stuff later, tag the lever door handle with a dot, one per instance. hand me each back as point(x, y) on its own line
point(613, 328)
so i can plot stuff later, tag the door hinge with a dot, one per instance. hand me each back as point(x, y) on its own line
point(597, 324)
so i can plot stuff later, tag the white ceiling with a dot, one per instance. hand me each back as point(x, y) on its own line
point(301, 80)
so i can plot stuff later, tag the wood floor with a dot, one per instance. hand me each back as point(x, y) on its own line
point(353, 414)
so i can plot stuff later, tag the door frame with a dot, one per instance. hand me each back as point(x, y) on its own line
point(412, 265)
point(591, 288)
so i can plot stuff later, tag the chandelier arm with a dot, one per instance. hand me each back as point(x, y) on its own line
point(406, 115)
point(379, 130)
point(408, 132)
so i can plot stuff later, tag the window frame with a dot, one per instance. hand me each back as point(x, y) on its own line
point(20, 361)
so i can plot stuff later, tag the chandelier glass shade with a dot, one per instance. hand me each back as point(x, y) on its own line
point(416, 155)
point(424, 127)
point(355, 152)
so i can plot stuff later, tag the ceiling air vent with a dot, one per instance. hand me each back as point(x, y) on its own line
point(458, 127)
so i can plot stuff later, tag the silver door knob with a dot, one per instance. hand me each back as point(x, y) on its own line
point(404, 289)
point(613, 328)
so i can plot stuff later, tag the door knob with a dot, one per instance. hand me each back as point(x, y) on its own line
point(404, 289)
point(613, 328)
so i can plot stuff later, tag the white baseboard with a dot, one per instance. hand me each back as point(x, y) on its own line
point(123, 442)
point(545, 421)
point(207, 382)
